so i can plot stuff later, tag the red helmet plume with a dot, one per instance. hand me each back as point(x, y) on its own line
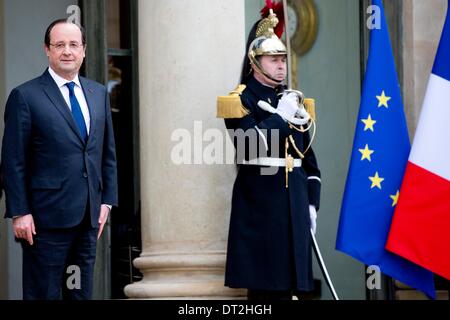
point(277, 8)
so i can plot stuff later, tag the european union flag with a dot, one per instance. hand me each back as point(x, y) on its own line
point(380, 153)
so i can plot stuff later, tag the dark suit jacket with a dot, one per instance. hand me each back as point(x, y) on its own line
point(48, 170)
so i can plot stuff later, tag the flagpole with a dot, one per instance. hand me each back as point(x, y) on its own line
point(288, 46)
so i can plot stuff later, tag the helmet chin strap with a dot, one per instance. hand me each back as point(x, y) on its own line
point(265, 74)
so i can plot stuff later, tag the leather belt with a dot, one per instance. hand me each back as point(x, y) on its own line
point(272, 162)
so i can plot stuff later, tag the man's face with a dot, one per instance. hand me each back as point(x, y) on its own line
point(275, 66)
point(66, 51)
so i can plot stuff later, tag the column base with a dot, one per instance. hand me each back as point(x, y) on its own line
point(169, 276)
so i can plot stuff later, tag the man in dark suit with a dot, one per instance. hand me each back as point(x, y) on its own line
point(59, 169)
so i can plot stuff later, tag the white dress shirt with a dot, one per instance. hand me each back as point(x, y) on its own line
point(61, 83)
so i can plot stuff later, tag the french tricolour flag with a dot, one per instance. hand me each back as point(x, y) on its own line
point(420, 230)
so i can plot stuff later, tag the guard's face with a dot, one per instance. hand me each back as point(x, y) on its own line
point(66, 51)
point(275, 66)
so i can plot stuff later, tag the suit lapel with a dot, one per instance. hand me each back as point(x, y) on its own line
point(89, 96)
point(55, 96)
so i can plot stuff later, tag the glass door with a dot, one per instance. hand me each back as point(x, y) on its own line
point(111, 59)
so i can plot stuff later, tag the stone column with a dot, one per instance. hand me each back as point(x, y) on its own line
point(189, 53)
point(422, 27)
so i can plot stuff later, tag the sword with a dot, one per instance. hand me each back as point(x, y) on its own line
point(323, 267)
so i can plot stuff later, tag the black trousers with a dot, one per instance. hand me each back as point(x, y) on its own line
point(60, 263)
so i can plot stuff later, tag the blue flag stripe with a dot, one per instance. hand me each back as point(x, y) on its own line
point(441, 65)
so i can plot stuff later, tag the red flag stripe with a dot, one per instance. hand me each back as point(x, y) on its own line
point(423, 238)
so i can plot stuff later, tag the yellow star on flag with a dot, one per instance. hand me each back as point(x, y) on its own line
point(369, 123)
point(395, 198)
point(376, 181)
point(366, 153)
point(383, 100)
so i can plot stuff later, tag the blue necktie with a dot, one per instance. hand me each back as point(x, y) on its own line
point(76, 111)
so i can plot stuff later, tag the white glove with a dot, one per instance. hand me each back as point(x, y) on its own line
point(313, 217)
point(303, 114)
point(288, 106)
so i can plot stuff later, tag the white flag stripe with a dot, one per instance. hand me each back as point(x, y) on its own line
point(431, 147)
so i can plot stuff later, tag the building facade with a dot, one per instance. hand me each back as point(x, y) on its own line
point(165, 62)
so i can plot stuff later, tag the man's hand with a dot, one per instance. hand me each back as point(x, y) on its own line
point(104, 212)
point(24, 228)
point(287, 106)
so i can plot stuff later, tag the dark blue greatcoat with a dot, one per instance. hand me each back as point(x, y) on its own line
point(269, 244)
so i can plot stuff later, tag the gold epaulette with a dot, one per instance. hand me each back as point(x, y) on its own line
point(310, 106)
point(230, 106)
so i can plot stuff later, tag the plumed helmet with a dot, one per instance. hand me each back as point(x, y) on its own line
point(266, 42)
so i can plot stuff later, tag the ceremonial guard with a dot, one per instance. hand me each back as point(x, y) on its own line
point(277, 189)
